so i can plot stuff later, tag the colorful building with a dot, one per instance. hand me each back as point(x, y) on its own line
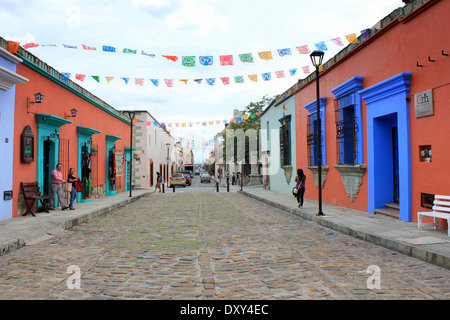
point(155, 151)
point(8, 80)
point(278, 141)
point(384, 116)
point(70, 126)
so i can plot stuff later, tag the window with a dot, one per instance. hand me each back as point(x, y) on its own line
point(346, 130)
point(312, 133)
point(285, 141)
point(348, 119)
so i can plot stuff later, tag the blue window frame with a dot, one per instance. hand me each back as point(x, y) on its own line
point(348, 118)
point(311, 134)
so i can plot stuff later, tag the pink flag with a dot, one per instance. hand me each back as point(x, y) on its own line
point(139, 81)
point(226, 60)
point(303, 49)
point(280, 74)
point(169, 82)
point(337, 41)
point(305, 69)
point(88, 48)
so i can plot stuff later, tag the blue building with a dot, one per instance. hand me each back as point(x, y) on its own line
point(8, 80)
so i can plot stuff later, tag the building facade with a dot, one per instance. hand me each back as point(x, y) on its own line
point(8, 81)
point(278, 141)
point(384, 114)
point(155, 151)
point(70, 126)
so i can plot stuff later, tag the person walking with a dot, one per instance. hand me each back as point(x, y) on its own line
point(57, 188)
point(158, 182)
point(228, 177)
point(73, 193)
point(300, 186)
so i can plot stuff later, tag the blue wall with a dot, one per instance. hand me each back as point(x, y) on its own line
point(387, 107)
point(7, 105)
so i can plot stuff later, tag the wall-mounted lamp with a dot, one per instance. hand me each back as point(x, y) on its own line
point(38, 98)
point(73, 113)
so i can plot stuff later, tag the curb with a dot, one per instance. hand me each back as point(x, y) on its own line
point(15, 244)
point(392, 244)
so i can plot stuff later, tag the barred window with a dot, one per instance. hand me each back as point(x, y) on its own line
point(285, 141)
point(346, 130)
point(312, 140)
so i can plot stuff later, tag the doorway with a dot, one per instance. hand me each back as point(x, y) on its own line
point(396, 195)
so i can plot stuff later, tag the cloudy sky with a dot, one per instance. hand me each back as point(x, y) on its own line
point(184, 28)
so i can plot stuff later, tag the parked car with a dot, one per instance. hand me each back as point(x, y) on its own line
point(205, 177)
point(177, 179)
point(188, 179)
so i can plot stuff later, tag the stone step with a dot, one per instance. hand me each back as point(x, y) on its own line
point(393, 205)
point(388, 212)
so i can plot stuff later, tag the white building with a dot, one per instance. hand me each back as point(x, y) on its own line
point(154, 150)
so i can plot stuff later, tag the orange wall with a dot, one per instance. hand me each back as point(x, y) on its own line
point(58, 101)
point(393, 51)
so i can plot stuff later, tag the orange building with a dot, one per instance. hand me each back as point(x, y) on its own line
point(385, 112)
point(70, 126)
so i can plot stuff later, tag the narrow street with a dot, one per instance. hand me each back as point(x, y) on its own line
point(199, 244)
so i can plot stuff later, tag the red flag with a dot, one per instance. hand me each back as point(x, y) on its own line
point(80, 77)
point(30, 45)
point(225, 80)
point(173, 58)
point(226, 60)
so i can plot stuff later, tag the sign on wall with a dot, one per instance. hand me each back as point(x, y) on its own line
point(423, 103)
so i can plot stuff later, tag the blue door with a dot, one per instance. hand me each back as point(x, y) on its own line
point(395, 164)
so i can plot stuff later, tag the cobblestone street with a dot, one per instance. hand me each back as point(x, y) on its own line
point(208, 245)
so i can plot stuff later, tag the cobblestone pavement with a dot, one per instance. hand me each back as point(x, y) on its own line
point(211, 246)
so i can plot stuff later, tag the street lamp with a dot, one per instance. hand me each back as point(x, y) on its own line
point(316, 58)
point(38, 98)
point(131, 115)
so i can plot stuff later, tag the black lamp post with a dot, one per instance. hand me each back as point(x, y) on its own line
point(131, 115)
point(316, 58)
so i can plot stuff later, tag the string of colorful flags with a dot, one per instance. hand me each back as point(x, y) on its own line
point(265, 76)
point(191, 61)
point(208, 60)
point(169, 125)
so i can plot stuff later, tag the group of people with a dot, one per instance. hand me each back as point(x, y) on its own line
point(235, 178)
point(56, 185)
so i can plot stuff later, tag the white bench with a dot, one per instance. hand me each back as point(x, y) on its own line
point(441, 210)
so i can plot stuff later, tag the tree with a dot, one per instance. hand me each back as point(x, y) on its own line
point(252, 122)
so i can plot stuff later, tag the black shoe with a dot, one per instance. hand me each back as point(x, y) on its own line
point(64, 208)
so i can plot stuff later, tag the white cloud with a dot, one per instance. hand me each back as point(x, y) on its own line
point(202, 17)
point(153, 3)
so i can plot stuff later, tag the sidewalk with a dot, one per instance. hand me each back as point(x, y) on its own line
point(429, 245)
point(18, 232)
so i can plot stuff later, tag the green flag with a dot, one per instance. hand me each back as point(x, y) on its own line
point(246, 57)
point(239, 79)
point(188, 61)
point(129, 51)
point(96, 78)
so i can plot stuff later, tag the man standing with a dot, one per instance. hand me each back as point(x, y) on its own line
point(57, 188)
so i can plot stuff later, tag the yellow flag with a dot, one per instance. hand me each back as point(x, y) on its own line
point(266, 55)
point(211, 123)
point(352, 38)
point(183, 124)
point(109, 79)
point(245, 117)
point(184, 80)
point(253, 77)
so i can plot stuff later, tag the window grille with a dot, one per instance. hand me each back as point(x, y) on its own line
point(346, 130)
